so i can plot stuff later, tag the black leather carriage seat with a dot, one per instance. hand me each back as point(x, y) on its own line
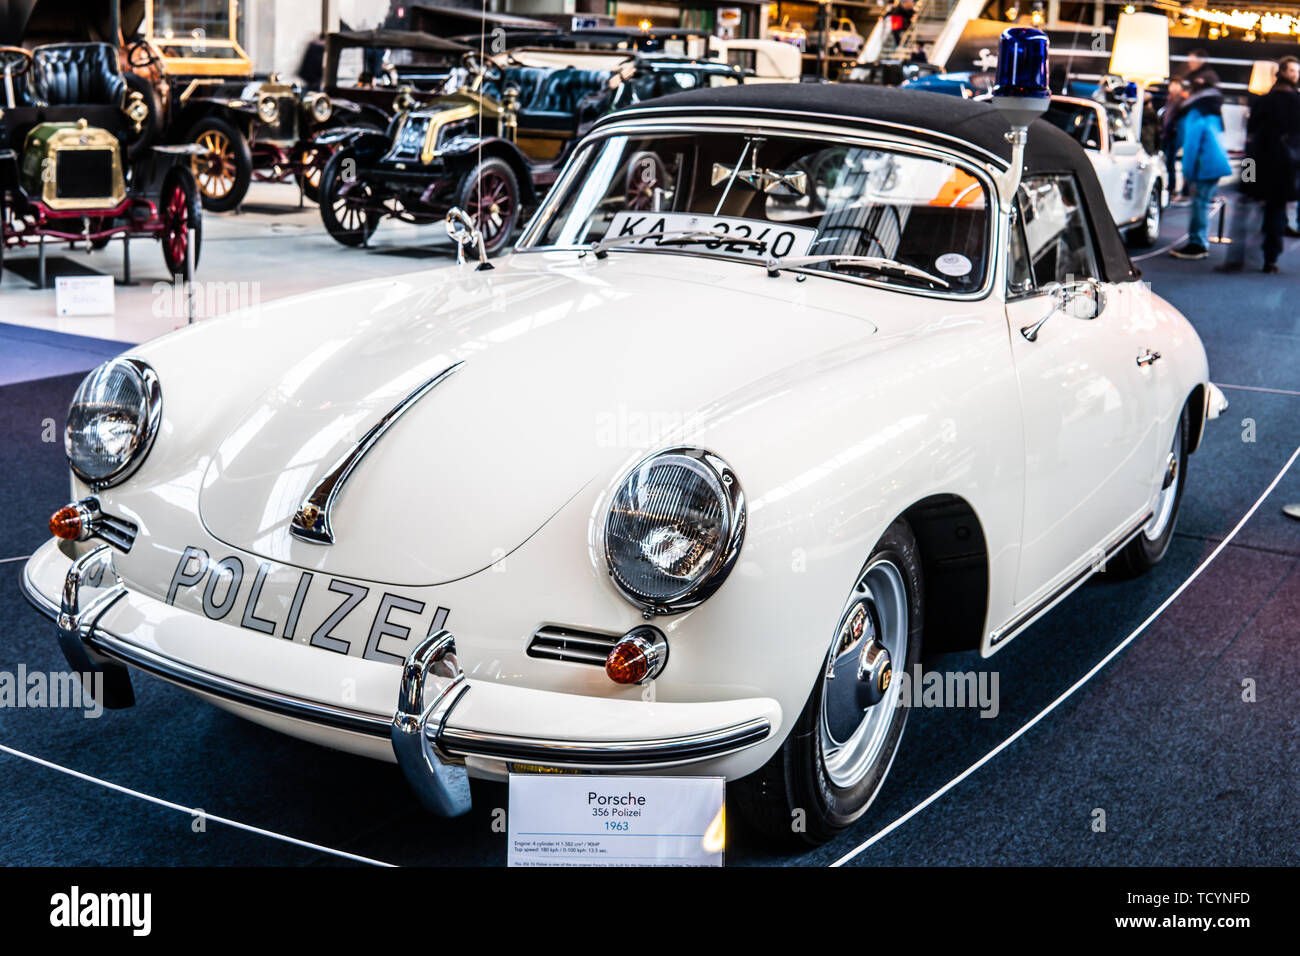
point(555, 106)
point(526, 79)
point(77, 74)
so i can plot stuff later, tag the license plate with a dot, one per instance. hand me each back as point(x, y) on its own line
point(657, 229)
point(308, 607)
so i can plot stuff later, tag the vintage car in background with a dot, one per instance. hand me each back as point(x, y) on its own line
point(200, 88)
point(493, 146)
point(67, 173)
point(764, 61)
point(968, 84)
point(842, 37)
point(371, 72)
point(679, 486)
point(791, 33)
point(888, 72)
point(1132, 179)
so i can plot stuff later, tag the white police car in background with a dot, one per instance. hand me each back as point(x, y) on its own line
point(1132, 179)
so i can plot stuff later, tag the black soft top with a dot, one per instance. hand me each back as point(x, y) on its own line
point(976, 127)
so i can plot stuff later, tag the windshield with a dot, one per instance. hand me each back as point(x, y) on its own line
point(1077, 119)
point(776, 196)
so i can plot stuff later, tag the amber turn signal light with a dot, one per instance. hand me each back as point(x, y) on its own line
point(638, 656)
point(627, 663)
point(67, 523)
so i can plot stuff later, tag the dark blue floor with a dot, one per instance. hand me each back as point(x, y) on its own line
point(1161, 740)
point(27, 354)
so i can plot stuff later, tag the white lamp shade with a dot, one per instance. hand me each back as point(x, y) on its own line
point(1262, 76)
point(1141, 50)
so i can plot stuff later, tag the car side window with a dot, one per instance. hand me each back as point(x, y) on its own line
point(1057, 242)
point(1020, 278)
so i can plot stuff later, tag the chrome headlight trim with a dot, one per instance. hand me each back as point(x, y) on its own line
point(268, 110)
point(151, 390)
point(319, 106)
point(730, 495)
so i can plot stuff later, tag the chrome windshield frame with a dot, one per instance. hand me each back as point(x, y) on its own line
point(983, 171)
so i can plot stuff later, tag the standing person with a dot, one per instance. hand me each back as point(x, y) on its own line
point(1273, 141)
point(1205, 162)
point(1199, 73)
point(900, 18)
point(1169, 132)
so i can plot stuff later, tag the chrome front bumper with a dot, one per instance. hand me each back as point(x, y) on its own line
point(431, 752)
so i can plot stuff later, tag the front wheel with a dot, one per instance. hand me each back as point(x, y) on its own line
point(835, 758)
point(490, 195)
point(225, 169)
point(1145, 551)
point(181, 213)
point(346, 201)
point(310, 163)
point(1146, 233)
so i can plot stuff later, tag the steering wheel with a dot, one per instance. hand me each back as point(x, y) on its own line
point(139, 54)
point(486, 69)
point(14, 60)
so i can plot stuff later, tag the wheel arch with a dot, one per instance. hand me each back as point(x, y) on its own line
point(507, 151)
point(1197, 402)
point(954, 564)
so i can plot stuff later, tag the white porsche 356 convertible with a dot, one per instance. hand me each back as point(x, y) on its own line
point(780, 384)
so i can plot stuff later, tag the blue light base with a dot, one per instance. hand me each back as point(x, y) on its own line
point(1021, 110)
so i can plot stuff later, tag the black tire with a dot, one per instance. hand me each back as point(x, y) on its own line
point(792, 799)
point(308, 167)
point(181, 211)
point(101, 242)
point(500, 189)
point(348, 224)
point(152, 130)
point(1146, 232)
point(1145, 551)
point(223, 175)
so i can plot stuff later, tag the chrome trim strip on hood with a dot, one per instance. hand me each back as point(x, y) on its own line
point(311, 522)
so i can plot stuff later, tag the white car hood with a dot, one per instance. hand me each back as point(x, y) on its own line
point(569, 367)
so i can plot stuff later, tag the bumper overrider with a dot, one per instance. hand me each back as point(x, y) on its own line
point(436, 733)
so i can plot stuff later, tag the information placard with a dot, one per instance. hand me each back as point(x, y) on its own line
point(84, 295)
point(589, 820)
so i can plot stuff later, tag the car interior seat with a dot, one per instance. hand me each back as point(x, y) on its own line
point(77, 74)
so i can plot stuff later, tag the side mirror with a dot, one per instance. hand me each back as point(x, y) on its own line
point(1084, 299)
point(1125, 147)
point(464, 233)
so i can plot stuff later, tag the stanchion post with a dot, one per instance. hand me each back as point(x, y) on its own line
point(189, 284)
point(1221, 239)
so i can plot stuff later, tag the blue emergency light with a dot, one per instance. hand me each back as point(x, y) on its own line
point(1022, 92)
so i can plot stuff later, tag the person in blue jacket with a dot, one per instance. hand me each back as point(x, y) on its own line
point(1205, 162)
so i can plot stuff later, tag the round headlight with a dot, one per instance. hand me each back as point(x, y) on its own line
point(112, 421)
point(674, 529)
point(268, 110)
point(321, 107)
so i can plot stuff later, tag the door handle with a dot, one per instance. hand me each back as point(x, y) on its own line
point(1148, 358)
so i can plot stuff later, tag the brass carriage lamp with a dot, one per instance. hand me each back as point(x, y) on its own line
point(1140, 54)
point(1022, 94)
point(509, 115)
point(136, 110)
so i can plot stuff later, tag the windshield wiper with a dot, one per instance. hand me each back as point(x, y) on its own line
point(879, 263)
point(684, 237)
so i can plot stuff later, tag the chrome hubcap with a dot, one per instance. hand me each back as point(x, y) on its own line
point(858, 691)
point(1164, 508)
